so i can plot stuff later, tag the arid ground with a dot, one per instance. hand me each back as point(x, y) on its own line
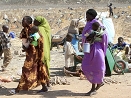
point(116, 86)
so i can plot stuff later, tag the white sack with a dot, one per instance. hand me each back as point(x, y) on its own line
point(108, 24)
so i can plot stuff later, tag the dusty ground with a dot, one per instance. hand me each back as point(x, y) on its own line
point(116, 86)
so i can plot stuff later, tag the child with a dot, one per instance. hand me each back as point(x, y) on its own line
point(69, 51)
point(5, 46)
point(34, 36)
point(32, 39)
point(95, 33)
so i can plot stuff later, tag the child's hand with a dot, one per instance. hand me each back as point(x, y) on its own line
point(86, 34)
point(30, 39)
point(90, 37)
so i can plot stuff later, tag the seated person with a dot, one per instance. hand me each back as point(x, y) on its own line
point(122, 48)
point(120, 45)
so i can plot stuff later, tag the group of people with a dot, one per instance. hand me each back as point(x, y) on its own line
point(36, 42)
point(93, 63)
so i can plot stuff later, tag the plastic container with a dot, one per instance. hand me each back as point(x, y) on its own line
point(12, 34)
point(86, 47)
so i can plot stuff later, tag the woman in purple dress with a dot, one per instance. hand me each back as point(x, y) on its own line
point(93, 63)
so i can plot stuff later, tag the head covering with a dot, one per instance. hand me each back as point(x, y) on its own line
point(81, 23)
point(69, 34)
point(73, 28)
point(42, 20)
point(45, 30)
point(92, 12)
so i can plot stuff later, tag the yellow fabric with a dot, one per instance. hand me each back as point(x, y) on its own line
point(45, 30)
point(121, 54)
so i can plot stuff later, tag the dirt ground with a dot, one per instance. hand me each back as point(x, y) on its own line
point(116, 86)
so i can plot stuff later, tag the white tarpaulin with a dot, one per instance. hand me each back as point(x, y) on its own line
point(108, 24)
point(102, 15)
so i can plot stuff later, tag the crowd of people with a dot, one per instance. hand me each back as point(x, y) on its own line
point(36, 43)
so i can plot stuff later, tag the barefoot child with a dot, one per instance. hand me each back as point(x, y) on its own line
point(70, 52)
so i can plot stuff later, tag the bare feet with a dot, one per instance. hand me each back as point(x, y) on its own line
point(99, 85)
point(91, 92)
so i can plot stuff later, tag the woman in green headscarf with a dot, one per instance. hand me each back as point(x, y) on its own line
point(44, 29)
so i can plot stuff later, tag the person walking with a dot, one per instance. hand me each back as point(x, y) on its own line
point(93, 63)
point(34, 71)
point(45, 30)
point(110, 10)
point(5, 47)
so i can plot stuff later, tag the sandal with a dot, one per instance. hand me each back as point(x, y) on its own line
point(12, 92)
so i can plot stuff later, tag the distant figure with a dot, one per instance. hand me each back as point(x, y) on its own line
point(110, 10)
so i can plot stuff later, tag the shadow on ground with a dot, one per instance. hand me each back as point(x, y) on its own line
point(49, 94)
point(57, 72)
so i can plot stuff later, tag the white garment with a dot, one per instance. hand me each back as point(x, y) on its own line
point(69, 58)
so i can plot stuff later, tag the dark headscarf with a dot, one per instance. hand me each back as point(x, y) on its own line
point(92, 12)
